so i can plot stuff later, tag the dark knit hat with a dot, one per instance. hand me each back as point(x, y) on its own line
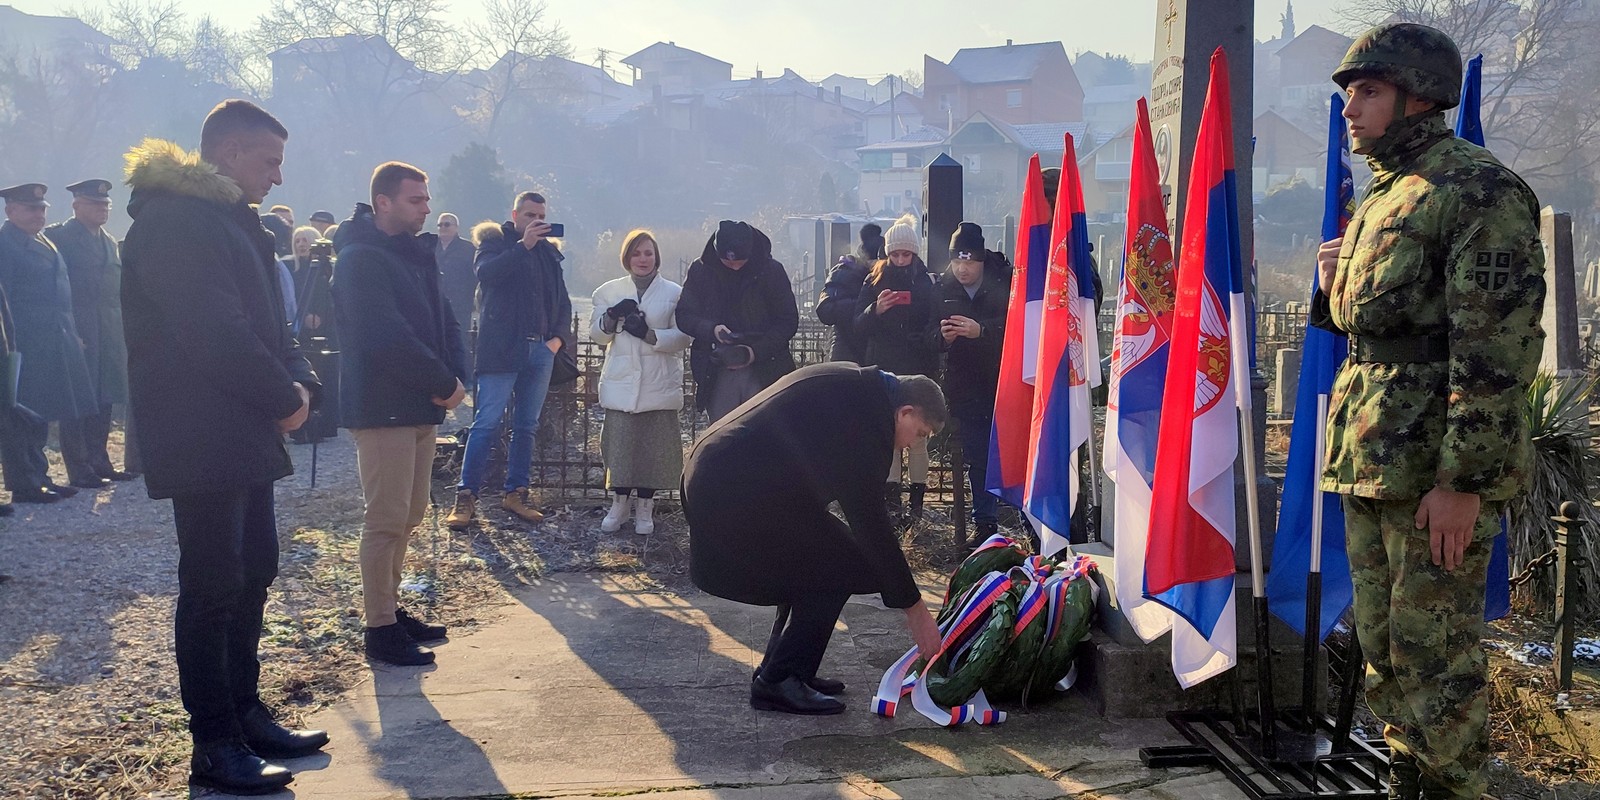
point(734, 240)
point(966, 243)
point(872, 240)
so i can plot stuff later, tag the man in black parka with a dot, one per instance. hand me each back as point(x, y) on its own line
point(215, 381)
point(756, 492)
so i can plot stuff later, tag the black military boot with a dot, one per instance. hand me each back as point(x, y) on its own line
point(891, 493)
point(392, 645)
point(1405, 779)
point(229, 767)
point(266, 738)
point(985, 530)
point(418, 630)
point(918, 490)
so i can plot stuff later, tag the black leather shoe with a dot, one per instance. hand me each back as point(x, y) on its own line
point(418, 630)
point(120, 475)
point(392, 645)
point(64, 491)
point(827, 686)
point(91, 483)
point(230, 768)
point(791, 696)
point(40, 495)
point(266, 738)
point(6, 510)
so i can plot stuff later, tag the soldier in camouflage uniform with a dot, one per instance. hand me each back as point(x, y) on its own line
point(1439, 282)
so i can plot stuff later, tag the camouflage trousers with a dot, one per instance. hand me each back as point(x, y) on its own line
point(1422, 629)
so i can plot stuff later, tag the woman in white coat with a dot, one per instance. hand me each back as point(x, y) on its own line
point(641, 384)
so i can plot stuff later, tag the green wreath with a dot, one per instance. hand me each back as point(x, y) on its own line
point(1021, 655)
point(1055, 658)
point(978, 565)
point(953, 684)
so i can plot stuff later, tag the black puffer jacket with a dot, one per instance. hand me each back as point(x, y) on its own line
point(211, 364)
point(896, 340)
point(756, 302)
point(401, 342)
point(837, 308)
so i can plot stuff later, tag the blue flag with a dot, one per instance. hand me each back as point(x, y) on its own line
point(1469, 126)
point(1321, 356)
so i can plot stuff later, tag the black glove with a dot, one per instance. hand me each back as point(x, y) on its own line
point(635, 324)
point(623, 309)
point(732, 356)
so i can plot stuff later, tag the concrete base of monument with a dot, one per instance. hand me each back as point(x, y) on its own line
point(1126, 677)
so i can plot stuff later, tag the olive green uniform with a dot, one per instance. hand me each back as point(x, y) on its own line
point(1440, 284)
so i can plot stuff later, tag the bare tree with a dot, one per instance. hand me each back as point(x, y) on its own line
point(514, 45)
point(416, 29)
point(1541, 90)
point(143, 28)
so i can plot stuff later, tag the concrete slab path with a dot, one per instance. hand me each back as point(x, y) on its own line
point(595, 685)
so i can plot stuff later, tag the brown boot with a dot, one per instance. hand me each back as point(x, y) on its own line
point(465, 509)
point(521, 502)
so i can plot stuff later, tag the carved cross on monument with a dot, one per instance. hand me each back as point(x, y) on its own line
point(1170, 18)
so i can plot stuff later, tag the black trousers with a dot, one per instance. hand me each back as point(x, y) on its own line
point(800, 636)
point(83, 445)
point(227, 557)
point(22, 439)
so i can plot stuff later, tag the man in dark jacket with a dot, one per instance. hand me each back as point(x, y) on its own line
point(215, 381)
point(756, 492)
point(970, 328)
point(839, 303)
point(54, 381)
point(94, 268)
point(403, 367)
point(458, 279)
point(739, 307)
point(524, 321)
point(23, 462)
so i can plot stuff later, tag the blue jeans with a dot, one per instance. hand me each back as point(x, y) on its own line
point(525, 388)
point(975, 426)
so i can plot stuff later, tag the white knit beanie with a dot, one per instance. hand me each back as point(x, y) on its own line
point(903, 236)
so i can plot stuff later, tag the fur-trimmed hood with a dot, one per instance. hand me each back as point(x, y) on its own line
point(157, 166)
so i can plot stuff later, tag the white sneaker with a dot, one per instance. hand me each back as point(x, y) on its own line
point(644, 522)
point(621, 508)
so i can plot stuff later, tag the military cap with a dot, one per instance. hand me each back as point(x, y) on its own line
point(324, 216)
point(92, 189)
point(27, 193)
point(1421, 60)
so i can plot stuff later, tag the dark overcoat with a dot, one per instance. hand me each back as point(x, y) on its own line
point(94, 268)
point(757, 487)
point(55, 380)
point(896, 340)
point(211, 363)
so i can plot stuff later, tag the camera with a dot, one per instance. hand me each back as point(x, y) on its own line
point(322, 248)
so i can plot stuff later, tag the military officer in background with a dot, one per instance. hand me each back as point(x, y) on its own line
point(54, 381)
point(1439, 282)
point(94, 269)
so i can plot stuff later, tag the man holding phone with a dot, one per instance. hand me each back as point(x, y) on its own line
point(525, 318)
point(971, 331)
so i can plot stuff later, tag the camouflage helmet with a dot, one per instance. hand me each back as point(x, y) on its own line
point(1421, 60)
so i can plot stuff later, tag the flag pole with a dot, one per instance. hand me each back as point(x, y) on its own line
point(1313, 637)
point(1240, 336)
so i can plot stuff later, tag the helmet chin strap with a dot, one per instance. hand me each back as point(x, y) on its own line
point(1399, 124)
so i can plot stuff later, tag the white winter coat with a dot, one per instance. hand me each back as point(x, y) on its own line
point(637, 376)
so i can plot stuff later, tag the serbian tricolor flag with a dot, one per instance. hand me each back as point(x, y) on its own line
point(1068, 362)
point(1013, 400)
point(1323, 354)
point(1145, 299)
point(1189, 565)
point(1469, 126)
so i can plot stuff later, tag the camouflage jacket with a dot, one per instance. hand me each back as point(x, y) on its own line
point(1445, 244)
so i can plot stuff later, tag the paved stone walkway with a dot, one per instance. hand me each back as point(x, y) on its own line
point(593, 686)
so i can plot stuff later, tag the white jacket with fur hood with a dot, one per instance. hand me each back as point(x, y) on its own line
point(639, 376)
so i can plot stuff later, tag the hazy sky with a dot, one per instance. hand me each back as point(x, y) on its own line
point(818, 37)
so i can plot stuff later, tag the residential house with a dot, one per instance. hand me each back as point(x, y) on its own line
point(862, 89)
point(1305, 65)
point(893, 118)
point(23, 35)
point(892, 171)
point(676, 69)
point(994, 156)
point(1018, 84)
point(1285, 151)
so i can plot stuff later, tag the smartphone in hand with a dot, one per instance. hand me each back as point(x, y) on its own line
point(900, 298)
point(951, 307)
point(557, 231)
